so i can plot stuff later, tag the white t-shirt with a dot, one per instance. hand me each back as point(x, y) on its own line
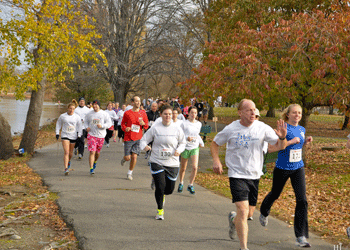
point(112, 114)
point(120, 115)
point(192, 129)
point(101, 117)
point(244, 148)
point(71, 126)
point(128, 107)
point(166, 140)
point(82, 112)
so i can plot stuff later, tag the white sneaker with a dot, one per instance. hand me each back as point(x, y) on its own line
point(86, 146)
point(232, 227)
point(107, 145)
point(80, 156)
point(263, 220)
point(160, 214)
point(129, 177)
point(302, 242)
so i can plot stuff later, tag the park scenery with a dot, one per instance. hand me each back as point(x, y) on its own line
point(211, 51)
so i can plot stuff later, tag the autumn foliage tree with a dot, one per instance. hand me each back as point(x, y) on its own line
point(301, 60)
point(47, 36)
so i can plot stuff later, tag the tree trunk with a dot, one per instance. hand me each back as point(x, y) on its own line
point(6, 146)
point(210, 113)
point(305, 118)
point(346, 120)
point(31, 128)
point(331, 110)
point(271, 112)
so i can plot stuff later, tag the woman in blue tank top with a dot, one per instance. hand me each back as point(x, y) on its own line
point(290, 165)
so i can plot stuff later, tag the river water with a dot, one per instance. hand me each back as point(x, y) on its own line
point(15, 112)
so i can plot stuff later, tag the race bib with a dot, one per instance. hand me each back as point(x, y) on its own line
point(96, 121)
point(135, 128)
point(295, 155)
point(194, 139)
point(164, 153)
point(70, 129)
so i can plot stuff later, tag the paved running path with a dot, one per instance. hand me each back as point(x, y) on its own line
point(109, 212)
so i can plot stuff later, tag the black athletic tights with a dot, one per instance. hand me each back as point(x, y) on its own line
point(164, 186)
point(297, 178)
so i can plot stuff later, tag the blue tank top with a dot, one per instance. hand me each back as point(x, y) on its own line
point(291, 157)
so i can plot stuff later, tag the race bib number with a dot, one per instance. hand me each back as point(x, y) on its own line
point(295, 155)
point(135, 128)
point(164, 153)
point(70, 129)
point(194, 139)
point(96, 121)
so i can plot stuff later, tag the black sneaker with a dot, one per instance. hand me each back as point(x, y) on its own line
point(190, 188)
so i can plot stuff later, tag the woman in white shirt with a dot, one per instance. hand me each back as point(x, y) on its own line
point(191, 128)
point(71, 126)
point(114, 118)
point(168, 143)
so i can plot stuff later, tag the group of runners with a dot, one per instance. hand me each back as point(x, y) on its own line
point(171, 140)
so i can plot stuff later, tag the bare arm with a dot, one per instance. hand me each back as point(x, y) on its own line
point(214, 149)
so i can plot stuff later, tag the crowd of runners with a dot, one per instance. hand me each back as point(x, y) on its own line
point(170, 135)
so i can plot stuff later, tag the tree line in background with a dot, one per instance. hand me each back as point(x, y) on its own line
point(274, 52)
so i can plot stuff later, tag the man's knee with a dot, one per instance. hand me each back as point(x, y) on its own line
point(127, 157)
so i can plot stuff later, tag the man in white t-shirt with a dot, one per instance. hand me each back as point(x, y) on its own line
point(244, 141)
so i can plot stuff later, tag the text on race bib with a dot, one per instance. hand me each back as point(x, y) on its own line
point(96, 121)
point(70, 129)
point(135, 128)
point(295, 155)
point(165, 153)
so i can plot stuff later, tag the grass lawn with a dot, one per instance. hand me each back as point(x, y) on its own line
point(327, 177)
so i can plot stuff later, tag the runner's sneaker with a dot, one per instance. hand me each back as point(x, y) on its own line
point(68, 165)
point(232, 227)
point(250, 218)
point(181, 187)
point(75, 151)
point(190, 188)
point(348, 232)
point(107, 145)
point(263, 220)
point(114, 140)
point(86, 145)
point(94, 166)
point(80, 156)
point(66, 171)
point(92, 171)
point(160, 214)
point(302, 242)
point(122, 162)
point(129, 177)
point(153, 185)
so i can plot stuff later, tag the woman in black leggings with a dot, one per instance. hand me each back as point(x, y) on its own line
point(290, 165)
point(168, 143)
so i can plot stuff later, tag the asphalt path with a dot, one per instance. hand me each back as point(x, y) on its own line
point(107, 211)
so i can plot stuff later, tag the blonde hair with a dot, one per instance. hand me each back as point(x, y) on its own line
point(287, 110)
point(73, 103)
point(240, 104)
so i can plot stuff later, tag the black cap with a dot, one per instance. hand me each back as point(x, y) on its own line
point(97, 102)
point(81, 98)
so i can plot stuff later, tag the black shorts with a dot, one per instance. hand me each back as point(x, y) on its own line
point(244, 190)
point(115, 125)
point(170, 172)
point(120, 132)
point(67, 139)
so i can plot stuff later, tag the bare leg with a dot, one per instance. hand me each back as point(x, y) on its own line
point(241, 223)
point(194, 161)
point(92, 158)
point(251, 211)
point(133, 161)
point(183, 169)
point(66, 148)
